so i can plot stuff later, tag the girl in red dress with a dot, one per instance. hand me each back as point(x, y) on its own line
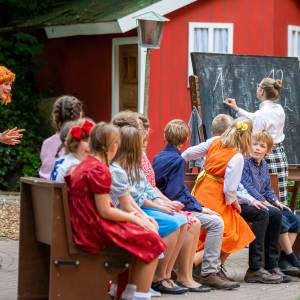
point(97, 223)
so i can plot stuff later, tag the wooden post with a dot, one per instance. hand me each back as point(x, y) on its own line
point(147, 80)
point(195, 102)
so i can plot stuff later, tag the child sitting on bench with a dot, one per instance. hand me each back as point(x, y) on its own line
point(169, 168)
point(76, 148)
point(97, 223)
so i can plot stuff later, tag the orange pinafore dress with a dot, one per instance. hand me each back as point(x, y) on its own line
point(209, 190)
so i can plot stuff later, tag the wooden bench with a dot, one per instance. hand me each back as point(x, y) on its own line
point(50, 266)
point(190, 180)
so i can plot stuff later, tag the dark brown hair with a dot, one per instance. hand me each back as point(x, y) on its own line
point(176, 132)
point(103, 135)
point(66, 108)
point(129, 154)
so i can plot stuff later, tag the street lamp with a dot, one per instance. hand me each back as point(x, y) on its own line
point(150, 26)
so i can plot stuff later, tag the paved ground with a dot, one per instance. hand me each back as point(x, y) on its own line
point(236, 267)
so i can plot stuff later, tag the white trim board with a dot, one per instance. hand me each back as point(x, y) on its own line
point(210, 27)
point(121, 25)
point(292, 48)
point(116, 42)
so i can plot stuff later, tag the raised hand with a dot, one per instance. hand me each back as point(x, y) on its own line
point(231, 103)
point(11, 136)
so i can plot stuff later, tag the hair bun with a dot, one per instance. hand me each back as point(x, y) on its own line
point(277, 84)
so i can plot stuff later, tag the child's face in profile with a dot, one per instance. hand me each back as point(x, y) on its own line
point(259, 150)
point(83, 149)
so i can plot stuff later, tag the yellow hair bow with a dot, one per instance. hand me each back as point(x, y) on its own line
point(241, 125)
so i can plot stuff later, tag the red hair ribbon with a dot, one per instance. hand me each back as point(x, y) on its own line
point(77, 131)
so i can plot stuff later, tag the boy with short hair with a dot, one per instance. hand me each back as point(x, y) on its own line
point(256, 180)
point(220, 123)
point(169, 168)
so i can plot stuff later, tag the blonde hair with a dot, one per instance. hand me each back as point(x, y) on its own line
point(220, 123)
point(264, 137)
point(238, 135)
point(271, 87)
point(102, 137)
point(176, 132)
point(129, 154)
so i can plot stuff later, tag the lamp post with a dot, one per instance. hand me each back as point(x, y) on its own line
point(150, 26)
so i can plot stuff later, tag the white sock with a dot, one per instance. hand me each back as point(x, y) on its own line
point(113, 289)
point(141, 296)
point(128, 292)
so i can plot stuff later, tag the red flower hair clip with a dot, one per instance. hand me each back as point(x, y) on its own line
point(86, 128)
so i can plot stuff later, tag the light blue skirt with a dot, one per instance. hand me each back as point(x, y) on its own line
point(166, 223)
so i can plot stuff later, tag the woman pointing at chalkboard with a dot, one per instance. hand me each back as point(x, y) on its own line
point(270, 117)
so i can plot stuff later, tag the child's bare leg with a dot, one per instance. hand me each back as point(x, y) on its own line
point(198, 258)
point(285, 243)
point(170, 240)
point(142, 275)
point(292, 237)
point(186, 257)
point(180, 240)
point(224, 256)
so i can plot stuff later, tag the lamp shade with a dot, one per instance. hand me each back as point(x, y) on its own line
point(150, 26)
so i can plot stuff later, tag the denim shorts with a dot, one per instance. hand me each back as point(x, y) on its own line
point(290, 222)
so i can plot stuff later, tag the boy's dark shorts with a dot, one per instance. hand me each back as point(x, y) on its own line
point(290, 222)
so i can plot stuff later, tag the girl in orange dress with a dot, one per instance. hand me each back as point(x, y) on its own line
point(217, 184)
point(96, 223)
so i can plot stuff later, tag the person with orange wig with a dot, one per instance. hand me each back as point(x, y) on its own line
point(9, 136)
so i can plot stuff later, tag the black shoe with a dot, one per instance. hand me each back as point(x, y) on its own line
point(174, 289)
point(293, 260)
point(200, 289)
point(197, 273)
point(285, 278)
point(288, 269)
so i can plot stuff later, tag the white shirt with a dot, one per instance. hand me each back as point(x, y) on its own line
point(70, 160)
point(233, 172)
point(270, 117)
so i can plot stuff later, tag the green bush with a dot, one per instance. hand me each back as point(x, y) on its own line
point(18, 52)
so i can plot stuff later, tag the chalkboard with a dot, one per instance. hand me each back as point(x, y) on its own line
point(224, 76)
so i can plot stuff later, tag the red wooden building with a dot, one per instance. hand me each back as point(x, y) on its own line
point(92, 50)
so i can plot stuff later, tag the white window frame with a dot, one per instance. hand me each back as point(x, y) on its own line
point(210, 27)
point(116, 42)
point(292, 28)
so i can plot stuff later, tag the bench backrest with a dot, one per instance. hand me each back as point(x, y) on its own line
point(49, 200)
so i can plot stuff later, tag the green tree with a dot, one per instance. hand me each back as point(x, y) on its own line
point(18, 52)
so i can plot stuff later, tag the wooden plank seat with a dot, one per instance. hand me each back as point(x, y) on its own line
point(50, 265)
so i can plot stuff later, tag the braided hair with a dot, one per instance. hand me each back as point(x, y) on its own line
point(66, 108)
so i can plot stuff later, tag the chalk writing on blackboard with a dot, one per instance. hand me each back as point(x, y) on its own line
point(276, 74)
point(220, 80)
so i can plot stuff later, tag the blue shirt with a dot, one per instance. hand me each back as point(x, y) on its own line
point(256, 180)
point(169, 168)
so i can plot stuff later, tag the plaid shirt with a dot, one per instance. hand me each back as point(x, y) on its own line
point(256, 180)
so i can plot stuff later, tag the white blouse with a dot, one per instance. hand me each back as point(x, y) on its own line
point(233, 172)
point(270, 117)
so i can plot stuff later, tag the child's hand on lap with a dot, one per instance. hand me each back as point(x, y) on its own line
point(282, 206)
point(259, 205)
